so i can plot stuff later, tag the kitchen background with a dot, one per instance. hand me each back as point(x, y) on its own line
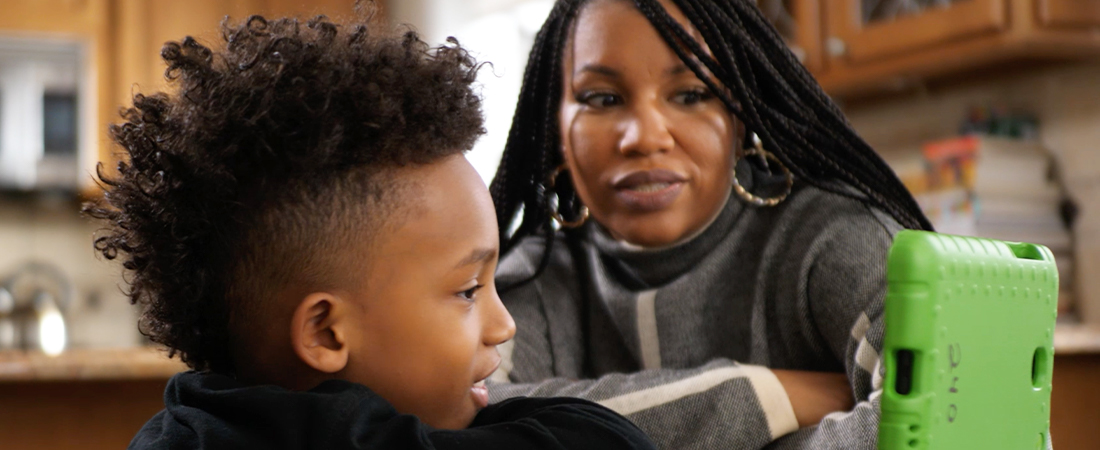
point(1021, 78)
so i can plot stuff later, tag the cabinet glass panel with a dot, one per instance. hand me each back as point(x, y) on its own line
point(886, 10)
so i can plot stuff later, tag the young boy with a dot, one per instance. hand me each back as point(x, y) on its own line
point(302, 228)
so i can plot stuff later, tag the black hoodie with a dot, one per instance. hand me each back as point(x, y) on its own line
point(209, 411)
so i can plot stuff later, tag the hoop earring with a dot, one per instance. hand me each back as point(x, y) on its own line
point(758, 149)
point(553, 206)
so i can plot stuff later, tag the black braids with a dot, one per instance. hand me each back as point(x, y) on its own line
point(515, 172)
point(877, 172)
point(550, 158)
point(534, 159)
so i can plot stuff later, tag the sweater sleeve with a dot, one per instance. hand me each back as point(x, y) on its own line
point(550, 423)
point(721, 404)
point(845, 273)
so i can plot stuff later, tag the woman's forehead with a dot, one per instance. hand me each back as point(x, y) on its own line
point(616, 30)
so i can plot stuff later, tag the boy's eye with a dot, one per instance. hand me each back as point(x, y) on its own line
point(693, 96)
point(598, 99)
point(470, 293)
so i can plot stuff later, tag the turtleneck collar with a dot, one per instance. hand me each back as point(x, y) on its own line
point(657, 266)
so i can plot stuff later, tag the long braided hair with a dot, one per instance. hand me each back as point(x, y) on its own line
point(762, 84)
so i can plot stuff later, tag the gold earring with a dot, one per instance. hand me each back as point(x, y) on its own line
point(554, 214)
point(758, 149)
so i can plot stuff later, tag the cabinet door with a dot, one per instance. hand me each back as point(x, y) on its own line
point(865, 30)
point(1069, 13)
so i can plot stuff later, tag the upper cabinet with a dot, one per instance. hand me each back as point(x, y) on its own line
point(866, 46)
point(117, 46)
point(863, 31)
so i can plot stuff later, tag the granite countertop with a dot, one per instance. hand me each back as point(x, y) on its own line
point(89, 365)
point(153, 363)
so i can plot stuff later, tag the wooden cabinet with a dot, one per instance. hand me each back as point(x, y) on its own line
point(1069, 13)
point(859, 37)
point(123, 39)
point(866, 50)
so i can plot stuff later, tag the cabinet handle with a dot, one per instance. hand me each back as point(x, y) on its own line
point(836, 47)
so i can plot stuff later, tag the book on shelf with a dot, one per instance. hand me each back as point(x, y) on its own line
point(992, 187)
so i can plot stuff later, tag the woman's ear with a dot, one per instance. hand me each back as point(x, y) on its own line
point(318, 332)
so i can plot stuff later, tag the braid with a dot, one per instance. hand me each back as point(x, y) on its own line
point(758, 79)
point(533, 149)
point(781, 102)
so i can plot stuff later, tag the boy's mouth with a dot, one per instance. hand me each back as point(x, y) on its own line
point(480, 393)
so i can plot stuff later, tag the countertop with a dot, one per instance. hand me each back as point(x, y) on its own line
point(89, 365)
point(153, 363)
point(1075, 339)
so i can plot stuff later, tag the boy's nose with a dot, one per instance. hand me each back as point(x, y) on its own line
point(499, 326)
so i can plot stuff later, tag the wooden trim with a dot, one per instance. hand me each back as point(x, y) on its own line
point(902, 71)
point(1069, 13)
point(810, 32)
point(867, 42)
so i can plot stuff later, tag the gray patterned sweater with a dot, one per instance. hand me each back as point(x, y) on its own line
point(677, 339)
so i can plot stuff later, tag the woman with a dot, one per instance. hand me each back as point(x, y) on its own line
point(688, 256)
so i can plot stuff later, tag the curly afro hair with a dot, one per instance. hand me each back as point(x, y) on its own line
point(270, 157)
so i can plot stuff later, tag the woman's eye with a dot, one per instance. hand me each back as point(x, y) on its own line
point(470, 293)
point(692, 97)
point(598, 99)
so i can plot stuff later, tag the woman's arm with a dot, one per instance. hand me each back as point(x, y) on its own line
point(845, 290)
point(721, 402)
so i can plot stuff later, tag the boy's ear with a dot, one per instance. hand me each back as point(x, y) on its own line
point(318, 332)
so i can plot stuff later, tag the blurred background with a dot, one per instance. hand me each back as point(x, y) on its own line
point(989, 111)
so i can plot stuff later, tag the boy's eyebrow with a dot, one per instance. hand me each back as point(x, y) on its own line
point(477, 256)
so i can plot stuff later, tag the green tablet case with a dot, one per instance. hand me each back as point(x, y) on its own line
point(969, 340)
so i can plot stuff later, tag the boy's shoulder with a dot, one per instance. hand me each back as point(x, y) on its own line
point(210, 411)
point(213, 411)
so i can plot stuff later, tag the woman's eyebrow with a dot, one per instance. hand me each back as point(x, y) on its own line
point(607, 71)
point(477, 256)
point(600, 69)
point(678, 69)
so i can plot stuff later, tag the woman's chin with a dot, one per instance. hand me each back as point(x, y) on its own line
point(651, 235)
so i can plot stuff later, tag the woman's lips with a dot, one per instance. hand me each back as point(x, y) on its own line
point(649, 190)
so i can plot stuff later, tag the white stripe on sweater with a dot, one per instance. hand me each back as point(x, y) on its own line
point(649, 342)
point(859, 330)
point(866, 356)
point(773, 398)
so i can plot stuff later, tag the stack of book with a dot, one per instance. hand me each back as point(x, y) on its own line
point(996, 188)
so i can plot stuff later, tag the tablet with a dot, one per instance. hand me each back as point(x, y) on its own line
point(969, 343)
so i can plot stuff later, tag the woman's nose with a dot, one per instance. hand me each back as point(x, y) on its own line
point(498, 324)
point(646, 132)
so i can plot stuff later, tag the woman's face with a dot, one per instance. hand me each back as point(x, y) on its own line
point(647, 144)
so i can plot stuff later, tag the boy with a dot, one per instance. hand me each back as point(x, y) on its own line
point(303, 230)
